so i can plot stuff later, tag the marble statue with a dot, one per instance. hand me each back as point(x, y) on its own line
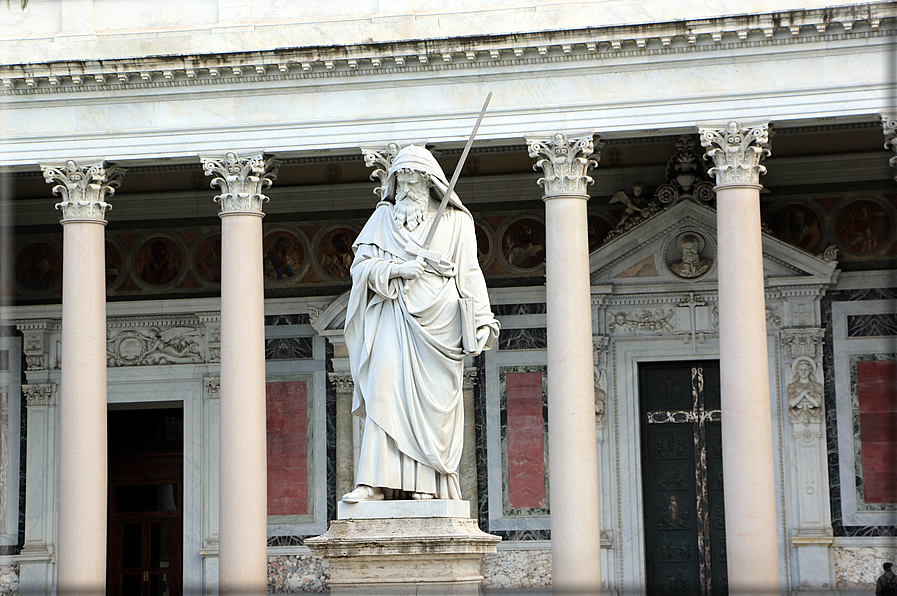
point(404, 334)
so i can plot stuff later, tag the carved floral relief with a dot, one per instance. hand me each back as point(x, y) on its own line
point(176, 345)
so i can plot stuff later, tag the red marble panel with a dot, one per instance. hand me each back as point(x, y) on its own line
point(877, 385)
point(526, 440)
point(877, 397)
point(287, 415)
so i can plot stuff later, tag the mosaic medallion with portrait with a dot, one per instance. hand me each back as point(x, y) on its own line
point(114, 264)
point(334, 251)
point(864, 227)
point(284, 258)
point(485, 245)
point(523, 243)
point(598, 229)
point(208, 259)
point(159, 261)
point(38, 268)
point(799, 224)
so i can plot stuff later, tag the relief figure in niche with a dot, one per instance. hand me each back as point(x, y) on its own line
point(804, 392)
point(691, 264)
point(161, 263)
point(404, 335)
point(279, 262)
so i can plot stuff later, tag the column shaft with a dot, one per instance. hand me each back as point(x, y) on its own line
point(81, 548)
point(751, 545)
point(243, 497)
point(572, 455)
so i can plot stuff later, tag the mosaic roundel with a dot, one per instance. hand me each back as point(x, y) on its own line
point(285, 256)
point(38, 268)
point(334, 251)
point(799, 224)
point(208, 259)
point(159, 261)
point(115, 263)
point(523, 243)
point(485, 245)
point(864, 226)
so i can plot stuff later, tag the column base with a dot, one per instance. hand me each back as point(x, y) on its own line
point(404, 551)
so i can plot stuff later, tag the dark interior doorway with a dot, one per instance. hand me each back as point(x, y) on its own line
point(145, 526)
point(682, 478)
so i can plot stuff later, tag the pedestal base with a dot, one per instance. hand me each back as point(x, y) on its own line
point(398, 555)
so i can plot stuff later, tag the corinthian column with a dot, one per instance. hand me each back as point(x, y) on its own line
point(243, 472)
point(81, 547)
point(751, 546)
point(572, 455)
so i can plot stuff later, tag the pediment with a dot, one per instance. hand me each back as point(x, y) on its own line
point(651, 254)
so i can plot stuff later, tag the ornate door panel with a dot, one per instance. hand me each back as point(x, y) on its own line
point(682, 479)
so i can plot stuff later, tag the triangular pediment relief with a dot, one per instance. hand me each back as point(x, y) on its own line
point(678, 246)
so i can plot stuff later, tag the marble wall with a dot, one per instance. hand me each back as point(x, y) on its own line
point(9, 580)
point(296, 574)
point(860, 566)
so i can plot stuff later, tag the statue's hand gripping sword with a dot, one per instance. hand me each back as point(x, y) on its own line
point(423, 252)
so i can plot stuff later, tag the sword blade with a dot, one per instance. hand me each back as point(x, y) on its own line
point(458, 168)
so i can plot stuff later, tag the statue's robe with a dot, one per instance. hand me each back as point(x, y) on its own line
point(405, 351)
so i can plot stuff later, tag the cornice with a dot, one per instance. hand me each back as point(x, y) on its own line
point(630, 41)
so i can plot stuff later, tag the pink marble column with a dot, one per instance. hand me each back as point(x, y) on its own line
point(81, 542)
point(243, 490)
point(749, 483)
point(572, 446)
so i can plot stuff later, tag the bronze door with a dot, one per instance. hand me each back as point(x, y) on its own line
point(685, 552)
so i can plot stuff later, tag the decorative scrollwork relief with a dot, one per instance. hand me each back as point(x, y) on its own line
point(241, 180)
point(176, 345)
point(830, 255)
point(83, 188)
point(564, 163)
point(35, 362)
point(599, 362)
point(805, 392)
point(381, 161)
point(804, 341)
point(641, 321)
point(736, 152)
point(469, 380)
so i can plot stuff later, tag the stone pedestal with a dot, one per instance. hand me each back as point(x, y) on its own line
point(404, 547)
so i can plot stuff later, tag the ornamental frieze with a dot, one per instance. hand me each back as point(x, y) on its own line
point(642, 321)
point(176, 345)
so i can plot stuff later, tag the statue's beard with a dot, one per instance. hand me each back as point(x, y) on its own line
point(411, 207)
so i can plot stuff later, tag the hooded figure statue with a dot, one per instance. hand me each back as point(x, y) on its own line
point(404, 334)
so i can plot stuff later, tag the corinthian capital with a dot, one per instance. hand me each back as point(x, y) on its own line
point(889, 127)
point(241, 180)
point(83, 188)
point(565, 164)
point(736, 152)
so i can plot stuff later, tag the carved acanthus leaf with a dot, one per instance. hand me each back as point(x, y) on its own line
point(83, 188)
point(38, 395)
point(804, 341)
point(381, 161)
point(830, 255)
point(736, 152)
point(342, 382)
point(564, 163)
point(241, 180)
point(889, 126)
point(470, 378)
point(213, 386)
